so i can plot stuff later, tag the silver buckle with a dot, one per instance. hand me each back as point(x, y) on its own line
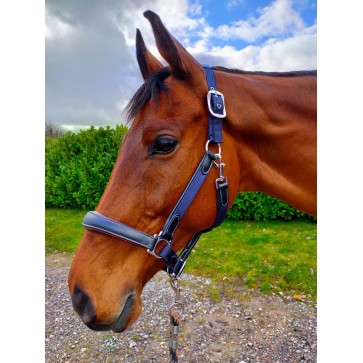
point(209, 96)
point(153, 250)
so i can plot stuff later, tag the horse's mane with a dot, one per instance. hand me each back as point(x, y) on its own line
point(150, 89)
point(271, 74)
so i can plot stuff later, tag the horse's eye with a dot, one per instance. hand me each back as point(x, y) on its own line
point(162, 145)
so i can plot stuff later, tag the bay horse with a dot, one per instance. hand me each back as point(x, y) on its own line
point(269, 145)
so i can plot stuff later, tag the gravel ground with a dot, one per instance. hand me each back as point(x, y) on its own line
point(259, 329)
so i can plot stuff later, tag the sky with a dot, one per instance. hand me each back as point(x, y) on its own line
point(89, 50)
point(91, 70)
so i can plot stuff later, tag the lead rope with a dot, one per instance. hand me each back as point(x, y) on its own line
point(177, 308)
point(175, 312)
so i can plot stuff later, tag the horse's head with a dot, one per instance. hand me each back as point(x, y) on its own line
point(158, 156)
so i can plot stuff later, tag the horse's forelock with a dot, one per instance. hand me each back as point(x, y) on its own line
point(148, 91)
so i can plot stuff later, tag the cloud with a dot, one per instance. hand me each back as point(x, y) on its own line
point(87, 64)
point(289, 44)
point(233, 3)
point(297, 52)
point(275, 20)
point(91, 68)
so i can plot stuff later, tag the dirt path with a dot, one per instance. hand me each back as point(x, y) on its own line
point(259, 329)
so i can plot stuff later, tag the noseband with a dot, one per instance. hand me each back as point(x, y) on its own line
point(159, 245)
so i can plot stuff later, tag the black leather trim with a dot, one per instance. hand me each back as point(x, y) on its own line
point(208, 162)
point(97, 222)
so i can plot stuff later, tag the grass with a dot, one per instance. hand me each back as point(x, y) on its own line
point(270, 256)
point(63, 229)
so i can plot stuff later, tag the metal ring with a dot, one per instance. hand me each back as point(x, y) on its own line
point(153, 250)
point(219, 147)
point(177, 304)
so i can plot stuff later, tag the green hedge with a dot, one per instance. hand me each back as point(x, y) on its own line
point(262, 207)
point(78, 166)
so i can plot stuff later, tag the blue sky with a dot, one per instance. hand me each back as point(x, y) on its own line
point(79, 83)
point(90, 65)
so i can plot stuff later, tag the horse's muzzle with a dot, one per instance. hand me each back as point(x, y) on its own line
point(84, 307)
point(82, 304)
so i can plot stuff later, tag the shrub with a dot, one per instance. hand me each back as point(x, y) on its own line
point(261, 207)
point(78, 166)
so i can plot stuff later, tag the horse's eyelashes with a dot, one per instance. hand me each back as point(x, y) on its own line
point(162, 145)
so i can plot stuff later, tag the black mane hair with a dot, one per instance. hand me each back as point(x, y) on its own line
point(272, 74)
point(154, 84)
point(149, 90)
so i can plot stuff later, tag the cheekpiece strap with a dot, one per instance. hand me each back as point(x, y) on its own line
point(216, 106)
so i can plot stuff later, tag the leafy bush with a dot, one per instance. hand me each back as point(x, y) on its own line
point(262, 207)
point(78, 166)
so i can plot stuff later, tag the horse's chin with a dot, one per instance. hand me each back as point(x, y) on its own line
point(129, 314)
point(130, 311)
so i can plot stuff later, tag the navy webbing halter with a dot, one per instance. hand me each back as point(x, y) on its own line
point(160, 245)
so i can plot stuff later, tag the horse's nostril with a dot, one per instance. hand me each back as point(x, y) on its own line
point(82, 304)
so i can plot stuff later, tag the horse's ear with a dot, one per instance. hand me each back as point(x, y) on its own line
point(147, 62)
point(180, 61)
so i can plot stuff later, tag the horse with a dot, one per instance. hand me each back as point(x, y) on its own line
point(268, 144)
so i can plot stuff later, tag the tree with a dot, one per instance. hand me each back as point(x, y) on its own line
point(53, 131)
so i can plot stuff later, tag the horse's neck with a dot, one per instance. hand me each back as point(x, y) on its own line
point(272, 124)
